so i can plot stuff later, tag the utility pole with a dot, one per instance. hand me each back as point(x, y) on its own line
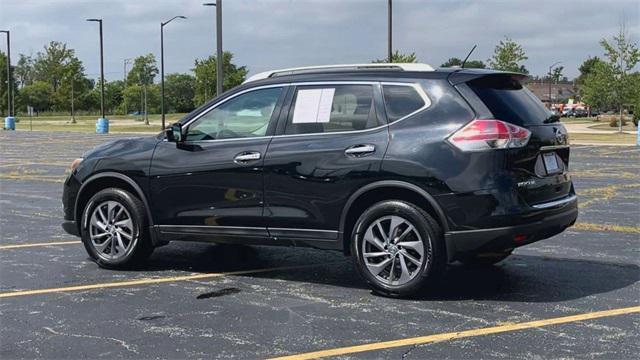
point(390, 32)
point(219, 53)
point(162, 24)
point(124, 84)
point(549, 76)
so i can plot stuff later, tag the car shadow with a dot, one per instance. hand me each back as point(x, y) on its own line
point(520, 278)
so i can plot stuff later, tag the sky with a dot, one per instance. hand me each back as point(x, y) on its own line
point(272, 34)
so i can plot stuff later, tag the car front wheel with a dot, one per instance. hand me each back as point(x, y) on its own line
point(114, 229)
point(398, 248)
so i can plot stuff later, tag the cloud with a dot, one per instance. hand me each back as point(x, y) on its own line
point(267, 34)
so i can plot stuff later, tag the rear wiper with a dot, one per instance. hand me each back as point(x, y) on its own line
point(552, 119)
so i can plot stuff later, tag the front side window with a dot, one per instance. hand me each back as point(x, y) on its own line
point(243, 116)
point(336, 108)
point(400, 101)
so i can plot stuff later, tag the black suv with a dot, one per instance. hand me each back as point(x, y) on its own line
point(404, 167)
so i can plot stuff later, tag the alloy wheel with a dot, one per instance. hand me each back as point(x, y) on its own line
point(111, 230)
point(393, 250)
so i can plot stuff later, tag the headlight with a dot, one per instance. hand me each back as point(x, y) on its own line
point(75, 164)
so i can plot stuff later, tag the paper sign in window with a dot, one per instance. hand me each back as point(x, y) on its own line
point(313, 106)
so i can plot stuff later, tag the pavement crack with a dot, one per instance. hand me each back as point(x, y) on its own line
point(411, 348)
point(124, 344)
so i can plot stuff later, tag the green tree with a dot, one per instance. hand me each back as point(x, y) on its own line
point(133, 97)
point(587, 67)
point(397, 57)
point(507, 56)
point(596, 86)
point(179, 92)
point(556, 74)
point(471, 64)
point(24, 71)
point(623, 55)
point(113, 96)
point(3, 84)
point(205, 82)
point(50, 65)
point(38, 95)
point(143, 72)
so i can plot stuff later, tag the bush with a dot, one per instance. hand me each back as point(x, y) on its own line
point(614, 122)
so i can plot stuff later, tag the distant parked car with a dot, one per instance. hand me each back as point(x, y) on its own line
point(580, 113)
point(595, 112)
point(567, 112)
point(137, 113)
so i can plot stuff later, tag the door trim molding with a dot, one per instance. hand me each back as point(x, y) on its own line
point(214, 230)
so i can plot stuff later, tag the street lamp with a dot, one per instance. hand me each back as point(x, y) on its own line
point(550, 69)
point(102, 119)
point(389, 32)
point(162, 24)
point(124, 83)
point(219, 59)
point(9, 107)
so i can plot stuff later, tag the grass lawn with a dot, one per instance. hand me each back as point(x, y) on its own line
point(89, 126)
point(64, 118)
point(613, 138)
point(606, 126)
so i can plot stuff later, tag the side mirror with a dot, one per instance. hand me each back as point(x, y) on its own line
point(174, 133)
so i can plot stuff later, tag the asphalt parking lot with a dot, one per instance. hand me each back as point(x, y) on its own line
point(208, 301)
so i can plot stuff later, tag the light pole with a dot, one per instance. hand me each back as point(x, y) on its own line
point(219, 55)
point(162, 24)
point(389, 32)
point(550, 69)
point(9, 105)
point(102, 117)
point(124, 83)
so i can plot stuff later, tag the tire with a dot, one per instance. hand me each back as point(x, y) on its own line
point(408, 276)
point(487, 259)
point(117, 220)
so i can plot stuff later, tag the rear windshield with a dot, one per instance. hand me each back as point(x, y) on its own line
point(509, 100)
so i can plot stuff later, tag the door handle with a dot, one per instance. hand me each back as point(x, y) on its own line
point(246, 156)
point(360, 150)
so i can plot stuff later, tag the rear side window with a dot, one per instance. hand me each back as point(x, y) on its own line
point(400, 101)
point(326, 109)
point(509, 100)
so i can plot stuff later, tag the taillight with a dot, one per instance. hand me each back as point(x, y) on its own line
point(481, 135)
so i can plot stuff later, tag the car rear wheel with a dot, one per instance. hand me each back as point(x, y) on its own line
point(398, 248)
point(114, 229)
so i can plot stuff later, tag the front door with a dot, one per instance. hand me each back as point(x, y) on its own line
point(331, 143)
point(212, 183)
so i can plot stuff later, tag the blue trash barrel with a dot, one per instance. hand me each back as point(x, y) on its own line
point(9, 123)
point(102, 126)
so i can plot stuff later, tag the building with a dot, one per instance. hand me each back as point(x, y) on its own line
point(561, 91)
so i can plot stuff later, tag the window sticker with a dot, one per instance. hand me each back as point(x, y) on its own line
point(313, 106)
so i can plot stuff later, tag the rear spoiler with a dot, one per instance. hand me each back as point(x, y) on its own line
point(465, 75)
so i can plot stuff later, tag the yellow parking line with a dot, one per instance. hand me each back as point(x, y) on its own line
point(146, 281)
point(20, 246)
point(460, 334)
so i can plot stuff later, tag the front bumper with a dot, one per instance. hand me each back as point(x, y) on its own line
point(560, 216)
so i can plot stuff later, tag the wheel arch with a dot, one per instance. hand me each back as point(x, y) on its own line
point(386, 190)
point(105, 180)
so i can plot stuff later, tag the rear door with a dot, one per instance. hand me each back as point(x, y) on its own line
point(329, 143)
point(541, 167)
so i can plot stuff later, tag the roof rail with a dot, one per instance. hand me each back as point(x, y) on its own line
point(321, 68)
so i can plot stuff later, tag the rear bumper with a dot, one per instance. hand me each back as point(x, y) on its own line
point(556, 217)
point(71, 227)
